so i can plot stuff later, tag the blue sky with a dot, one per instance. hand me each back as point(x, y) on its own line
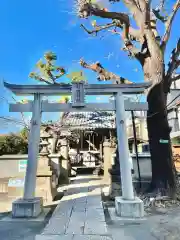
point(29, 28)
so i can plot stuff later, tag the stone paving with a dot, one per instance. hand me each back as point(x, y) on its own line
point(80, 214)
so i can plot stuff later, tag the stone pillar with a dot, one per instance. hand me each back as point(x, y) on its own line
point(55, 163)
point(44, 173)
point(101, 150)
point(115, 187)
point(65, 163)
point(128, 205)
point(123, 149)
point(108, 152)
point(30, 206)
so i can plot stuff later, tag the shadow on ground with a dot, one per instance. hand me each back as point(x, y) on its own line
point(27, 230)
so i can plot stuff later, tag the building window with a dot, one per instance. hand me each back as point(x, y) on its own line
point(145, 148)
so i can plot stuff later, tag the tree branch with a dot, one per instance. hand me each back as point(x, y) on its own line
point(49, 83)
point(157, 12)
point(159, 16)
point(168, 25)
point(133, 51)
point(120, 19)
point(134, 34)
point(177, 77)
point(42, 79)
point(173, 64)
point(98, 28)
point(53, 77)
point(86, 9)
point(161, 5)
point(103, 74)
point(136, 12)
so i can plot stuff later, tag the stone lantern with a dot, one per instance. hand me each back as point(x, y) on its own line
point(43, 163)
point(44, 173)
point(44, 144)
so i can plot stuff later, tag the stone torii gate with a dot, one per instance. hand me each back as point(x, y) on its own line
point(30, 206)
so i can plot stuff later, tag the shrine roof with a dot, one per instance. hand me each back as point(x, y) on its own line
point(89, 120)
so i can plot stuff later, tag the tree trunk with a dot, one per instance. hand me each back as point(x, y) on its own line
point(163, 170)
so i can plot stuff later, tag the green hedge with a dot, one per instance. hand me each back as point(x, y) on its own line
point(13, 144)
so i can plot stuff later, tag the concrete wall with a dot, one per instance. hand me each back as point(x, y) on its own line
point(145, 165)
point(9, 165)
point(12, 173)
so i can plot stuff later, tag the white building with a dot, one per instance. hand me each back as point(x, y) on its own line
point(173, 107)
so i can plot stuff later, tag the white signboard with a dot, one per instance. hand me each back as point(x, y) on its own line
point(16, 182)
point(22, 165)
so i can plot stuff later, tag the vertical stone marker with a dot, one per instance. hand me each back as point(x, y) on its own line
point(65, 168)
point(128, 205)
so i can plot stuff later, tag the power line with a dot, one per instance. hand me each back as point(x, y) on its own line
point(12, 120)
point(173, 100)
point(153, 114)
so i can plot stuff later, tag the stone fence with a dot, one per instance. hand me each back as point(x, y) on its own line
point(50, 170)
point(12, 173)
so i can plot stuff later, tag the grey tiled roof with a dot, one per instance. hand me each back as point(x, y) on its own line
point(89, 120)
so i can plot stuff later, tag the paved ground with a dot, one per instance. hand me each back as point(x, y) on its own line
point(19, 230)
point(155, 227)
point(80, 216)
point(15, 229)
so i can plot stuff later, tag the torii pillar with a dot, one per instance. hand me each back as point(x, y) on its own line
point(127, 205)
point(30, 206)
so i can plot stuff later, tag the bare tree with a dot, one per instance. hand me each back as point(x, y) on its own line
point(6, 120)
point(150, 54)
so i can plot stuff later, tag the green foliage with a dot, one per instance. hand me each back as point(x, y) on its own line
point(46, 70)
point(13, 144)
point(24, 134)
point(50, 56)
point(76, 76)
point(175, 141)
point(64, 99)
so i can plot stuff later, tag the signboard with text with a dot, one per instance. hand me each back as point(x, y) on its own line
point(22, 165)
point(16, 182)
